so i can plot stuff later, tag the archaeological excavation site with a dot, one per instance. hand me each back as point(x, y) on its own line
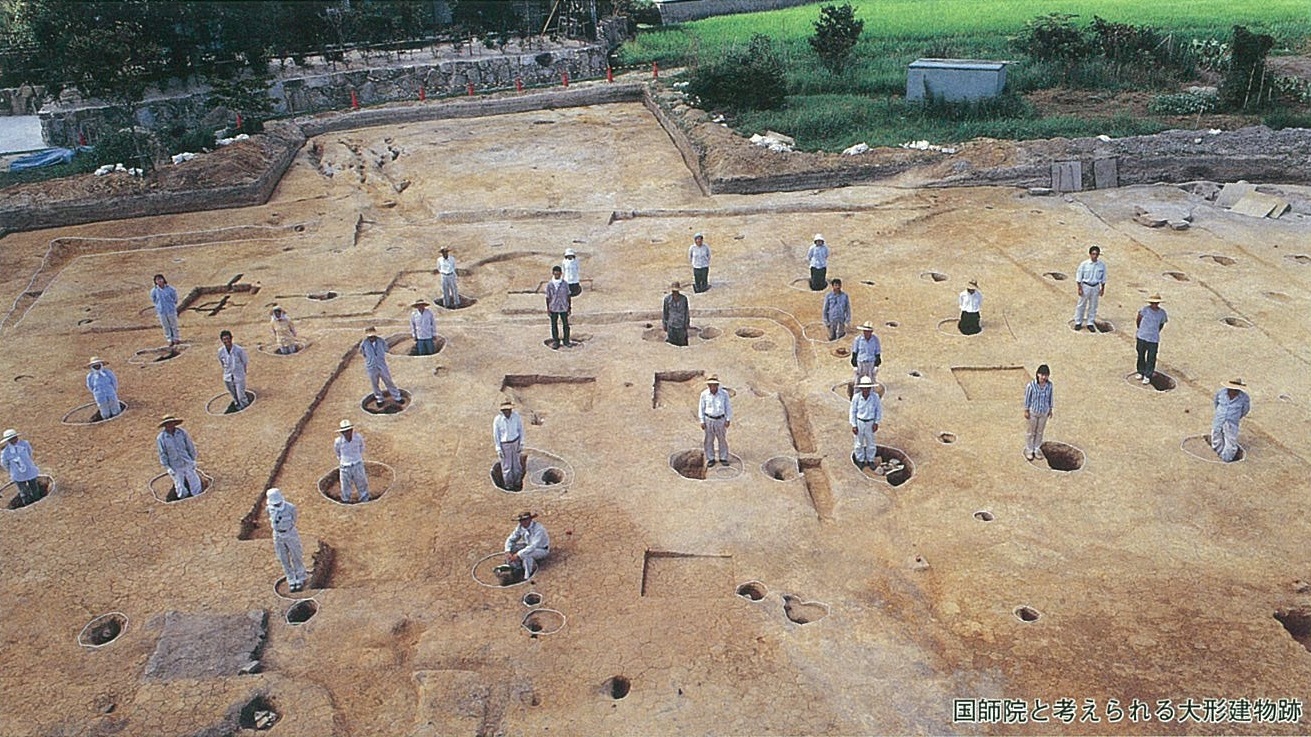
point(952, 587)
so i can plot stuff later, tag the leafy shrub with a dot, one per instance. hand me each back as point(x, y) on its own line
point(1280, 119)
point(1210, 54)
point(836, 33)
point(1052, 37)
point(1292, 89)
point(1246, 84)
point(1184, 103)
point(127, 147)
point(743, 79)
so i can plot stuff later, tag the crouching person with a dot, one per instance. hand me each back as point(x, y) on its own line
point(527, 545)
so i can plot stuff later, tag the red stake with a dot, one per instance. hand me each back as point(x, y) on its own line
point(518, 84)
point(471, 89)
point(609, 74)
point(655, 70)
point(355, 101)
point(423, 93)
point(564, 77)
point(238, 122)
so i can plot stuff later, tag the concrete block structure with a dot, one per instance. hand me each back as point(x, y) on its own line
point(955, 80)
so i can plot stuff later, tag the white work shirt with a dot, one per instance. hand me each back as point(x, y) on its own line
point(533, 537)
point(233, 361)
point(175, 450)
point(866, 349)
point(17, 460)
point(570, 268)
point(446, 265)
point(699, 255)
point(1231, 410)
point(102, 383)
point(349, 452)
point(714, 406)
point(818, 256)
point(867, 409)
point(506, 429)
point(423, 325)
point(374, 350)
point(971, 302)
point(283, 518)
point(1091, 273)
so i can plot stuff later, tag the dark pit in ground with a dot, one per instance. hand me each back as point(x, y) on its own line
point(302, 611)
point(106, 631)
point(388, 406)
point(690, 464)
point(984, 515)
point(260, 713)
point(1297, 621)
point(618, 687)
point(1027, 614)
point(753, 590)
point(1061, 457)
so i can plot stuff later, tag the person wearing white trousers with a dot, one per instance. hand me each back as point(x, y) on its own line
point(1231, 405)
point(374, 350)
point(450, 283)
point(234, 361)
point(177, 454)
point(716, 415)
point(1090, 281)
point(286, 540)
point(865, 415)
point(507, 434)
point(349, 447)
point(104, 388)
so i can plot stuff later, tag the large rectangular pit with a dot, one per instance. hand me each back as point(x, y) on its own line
point(991, 382)
point(542, 394)
point(674, 575)
point(677, 388)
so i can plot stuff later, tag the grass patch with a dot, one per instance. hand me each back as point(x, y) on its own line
point(82, 164)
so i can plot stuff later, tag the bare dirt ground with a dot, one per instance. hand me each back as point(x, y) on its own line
point(1147, 574)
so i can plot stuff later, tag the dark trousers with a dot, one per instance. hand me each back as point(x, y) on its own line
point(700, 279)
point(29, 491)
point(676, 336)
point(575, 289)
point(1147, 357)
point(818, 279)
point(556, 319)
point(969, 323)
point(425, 346)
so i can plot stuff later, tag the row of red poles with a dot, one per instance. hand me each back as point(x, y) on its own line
point(518, 85)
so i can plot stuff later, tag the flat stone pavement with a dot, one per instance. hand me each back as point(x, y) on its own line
point(863, 608)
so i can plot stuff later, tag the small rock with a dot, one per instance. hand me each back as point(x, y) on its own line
point(1041, 191)
point(1179, 224)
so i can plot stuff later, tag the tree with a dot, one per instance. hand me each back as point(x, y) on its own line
point(836, 33)
point(743, 79)
point(1246, 84)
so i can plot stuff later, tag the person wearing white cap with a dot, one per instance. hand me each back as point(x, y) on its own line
point(837, 311)
point(1231, 405)
point(699, 254)
point(1090, 281)
point(423, 328)
point(866, 353)
point(374, 350)
point(284, 332)
point(526, 545)
point(715, 413)
point(349, 447)
point(676, 316)
point(16, 457)
point(571, 276)
point(865, 416)
point(177, 454)
point(559, 303)
point(1150, 321)
point(507, 436)
point(450, 281)
point(971, 302)
point(103, 385)
point(817, 255)
point(1037, 410)
point(234, 361)
point(286, 540)
point(165, 299)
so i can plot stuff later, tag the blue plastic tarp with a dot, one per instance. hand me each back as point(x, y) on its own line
point(39, 159)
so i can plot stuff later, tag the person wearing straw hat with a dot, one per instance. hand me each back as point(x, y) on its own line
point(558, 303)
point(1150, 321)
point(569, 266)
point(866, 353)
point(234, 361)
point(971, 301)
point(837, 311)
point(16, 457)
point(374, 350)
point(716, 415)
point(1231, 405)
point(865, 416)
point(165, 299)
point(507, 436)
point(177, 454)
point(699, 254)
point(103, 385)
point(286, 539)
point(284, 332)
point(524, 548)
point(817, 256)
point(1037, 410)
point(1090, 281)
point(450, 281)
point(676, 315)
point(423, 328)
point(349, 447)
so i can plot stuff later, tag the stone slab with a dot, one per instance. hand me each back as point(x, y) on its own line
point(207, 645)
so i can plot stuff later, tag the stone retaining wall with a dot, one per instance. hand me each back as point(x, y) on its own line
point(681, 11)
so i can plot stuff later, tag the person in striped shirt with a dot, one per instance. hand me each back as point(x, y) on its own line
point(1037, 410)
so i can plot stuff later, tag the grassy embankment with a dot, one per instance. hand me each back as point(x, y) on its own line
point(831, 112)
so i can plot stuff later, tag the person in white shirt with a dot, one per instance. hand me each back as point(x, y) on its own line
point(349, 447)
point(286, 539)
point(866, 353)
point(423, 328)
point(165, 299)
point(1231, 404)
point(699, 254)
point(716, 415)
point(450, 285)
point(233, 359)
point(507, 435)
point(865, 415)
point(817, 256)
point(971, 301)
point(374, 350)
point(16, 457)
point(1090, 281)
point(524, 548)
point(177, 454)
point(571, 276)
point(284, 331)
point(104, 389)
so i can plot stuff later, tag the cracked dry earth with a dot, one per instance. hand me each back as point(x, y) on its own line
point(788, 593)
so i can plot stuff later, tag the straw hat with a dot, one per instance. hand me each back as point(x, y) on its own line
point(418, 302)
point(1154, 299)
point(96, 359)
point(865, 381)
point(712, 379)
point(274, 497)
point(169, 419)
point(1236, 384)
point(525, 514)
point(867, 325)
point(675, 287)
point(972, 283)
point(370, 330)
point(10, 434)
point(345, 425)
point(507, 404)
point(444, 249)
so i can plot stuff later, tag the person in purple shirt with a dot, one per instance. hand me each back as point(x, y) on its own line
point(1150, 322)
